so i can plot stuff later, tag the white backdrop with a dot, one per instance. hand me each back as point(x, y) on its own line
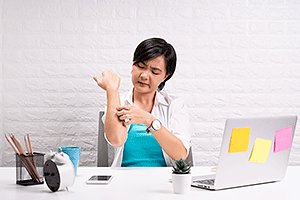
point(235, 58)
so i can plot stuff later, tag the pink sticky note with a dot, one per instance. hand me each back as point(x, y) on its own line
point(283, 139)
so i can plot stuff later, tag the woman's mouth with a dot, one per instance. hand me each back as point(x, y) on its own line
point(142, 84)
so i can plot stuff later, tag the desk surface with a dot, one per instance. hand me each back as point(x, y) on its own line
point(145, 183)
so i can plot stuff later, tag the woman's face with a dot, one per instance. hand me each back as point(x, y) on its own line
point(147, 76)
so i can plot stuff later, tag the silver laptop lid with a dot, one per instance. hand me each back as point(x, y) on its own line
point(263, 159)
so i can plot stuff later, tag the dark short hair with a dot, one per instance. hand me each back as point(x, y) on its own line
point(155, 47)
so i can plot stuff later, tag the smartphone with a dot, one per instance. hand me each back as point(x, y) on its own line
point(99, 179)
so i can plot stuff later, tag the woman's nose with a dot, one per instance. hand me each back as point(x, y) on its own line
point(144, 75)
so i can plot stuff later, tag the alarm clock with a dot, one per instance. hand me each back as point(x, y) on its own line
point(58, 171)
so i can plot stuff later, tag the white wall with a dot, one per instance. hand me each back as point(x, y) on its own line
point(1, 101)
point(235, 58)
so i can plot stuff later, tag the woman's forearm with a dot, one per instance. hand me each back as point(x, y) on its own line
point(114, 129)
point(170, 144)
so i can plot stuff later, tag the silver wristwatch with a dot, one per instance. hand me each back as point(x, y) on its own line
point(155, 125)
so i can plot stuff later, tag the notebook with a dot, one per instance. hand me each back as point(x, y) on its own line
point(254, 151)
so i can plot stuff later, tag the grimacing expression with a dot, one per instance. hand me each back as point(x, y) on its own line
point(147, 76)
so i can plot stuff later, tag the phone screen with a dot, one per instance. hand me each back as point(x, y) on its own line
point(99, 178)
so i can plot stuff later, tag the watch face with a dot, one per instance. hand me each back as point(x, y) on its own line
point(156, 125)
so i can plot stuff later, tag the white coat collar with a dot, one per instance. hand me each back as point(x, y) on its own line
point(160, 98)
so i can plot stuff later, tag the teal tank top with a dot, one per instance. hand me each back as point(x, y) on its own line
point(142, 149)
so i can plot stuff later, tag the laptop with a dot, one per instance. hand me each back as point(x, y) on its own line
point(254, 151)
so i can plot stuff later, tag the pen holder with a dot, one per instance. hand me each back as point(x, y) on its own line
point(29, 169)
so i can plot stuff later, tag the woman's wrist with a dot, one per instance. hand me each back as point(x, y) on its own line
point(112, 90)
point(149, 120)
point(113, 99)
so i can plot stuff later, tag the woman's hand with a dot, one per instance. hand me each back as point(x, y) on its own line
point(132, 114)
point(110, 81)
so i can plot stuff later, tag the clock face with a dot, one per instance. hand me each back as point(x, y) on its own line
point(51, 175)
point(156, 124)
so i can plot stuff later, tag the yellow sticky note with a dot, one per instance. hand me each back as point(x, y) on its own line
point(239, 140)
point(260, 151)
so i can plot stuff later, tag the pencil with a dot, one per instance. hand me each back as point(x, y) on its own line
point(31, 152)
point(17, 152)
point(29, 141)
point(26, 145)
point(26, 159)
point(18, 145)
point(23, 162)
point(22, 152)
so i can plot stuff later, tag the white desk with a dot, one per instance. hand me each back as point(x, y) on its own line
point(144, 183)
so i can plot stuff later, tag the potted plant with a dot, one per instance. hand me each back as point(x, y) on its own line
point(181, 176)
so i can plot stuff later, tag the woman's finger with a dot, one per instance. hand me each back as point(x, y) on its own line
point(99, 82)
point(122, 112)
point(97, 79)
point(127, 122)
point(104, 73)
point(125, 107)
point(119, 114)
point(122, 118)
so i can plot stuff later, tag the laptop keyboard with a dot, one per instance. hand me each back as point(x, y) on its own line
point(207, 182)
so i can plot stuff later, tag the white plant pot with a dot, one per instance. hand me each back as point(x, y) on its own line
point(181, 183)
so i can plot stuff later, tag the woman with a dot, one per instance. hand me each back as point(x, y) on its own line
point(149, 127)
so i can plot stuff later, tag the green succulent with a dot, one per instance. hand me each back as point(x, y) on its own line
point(181, 167)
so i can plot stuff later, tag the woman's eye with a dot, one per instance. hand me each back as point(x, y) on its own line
point(140, 66)
point(155, 73)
